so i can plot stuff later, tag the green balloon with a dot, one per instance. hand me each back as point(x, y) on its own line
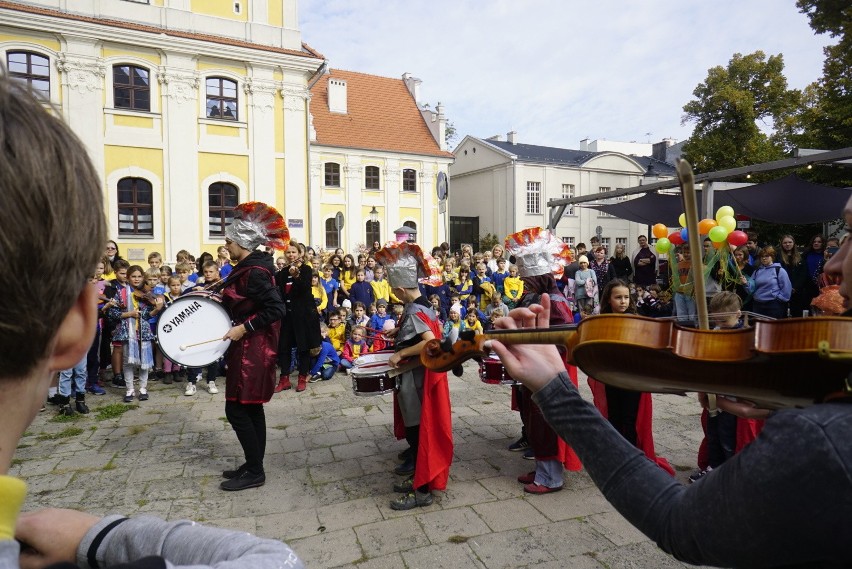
point(663, 245)
point(718, 234)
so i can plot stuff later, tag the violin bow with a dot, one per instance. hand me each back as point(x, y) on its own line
point(690, 210)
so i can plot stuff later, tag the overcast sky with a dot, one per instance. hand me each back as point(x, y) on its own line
point(560, 71)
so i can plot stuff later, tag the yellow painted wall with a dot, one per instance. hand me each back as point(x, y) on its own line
point(410, 213)
point(130, 51)
point(49, 43)
point(279, 126)
point(220, 130)
point(209, 164)
point(280, 201)
point(138, 122)
point(275, 10)
point(220, 65)
point(116, 157)
point(221, 9)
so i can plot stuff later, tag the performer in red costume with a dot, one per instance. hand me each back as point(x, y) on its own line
point(250, 295)
point(538, 254)
point(423, 399)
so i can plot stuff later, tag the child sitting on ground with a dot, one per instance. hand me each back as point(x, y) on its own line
point(337, 330)
point(327, 361)
point(354, 347)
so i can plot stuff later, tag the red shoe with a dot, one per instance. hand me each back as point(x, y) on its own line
point(539, 489)
point(303, 383)
point(283, 383)
point(527, 478)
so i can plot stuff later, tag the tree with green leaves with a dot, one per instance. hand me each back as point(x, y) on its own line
point(736, 111)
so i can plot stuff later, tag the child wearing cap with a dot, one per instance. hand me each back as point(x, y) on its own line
point(423, 398)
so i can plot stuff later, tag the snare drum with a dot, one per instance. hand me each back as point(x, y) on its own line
point(190, 330)
point(373, 358)
point(491, 371)
point(372, 379)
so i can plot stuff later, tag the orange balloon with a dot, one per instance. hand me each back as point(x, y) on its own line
point(660, 230)
point(705, 225)
point(718, 245)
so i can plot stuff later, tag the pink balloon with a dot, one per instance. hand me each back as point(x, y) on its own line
point(675, 238)
point(737, 238)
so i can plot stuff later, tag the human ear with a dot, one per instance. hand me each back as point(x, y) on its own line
point(74, 336)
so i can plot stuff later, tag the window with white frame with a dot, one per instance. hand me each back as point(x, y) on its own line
point(222, 199)
point(567, 193)
point(569, 241)
point(621, 241)
point(533, 197)
point(221, 98)
point(332, 174)
point(332, 234)
point(409, 180)
point(131, 87)
point(135, 207)
point(605, 242)
point(603, 190)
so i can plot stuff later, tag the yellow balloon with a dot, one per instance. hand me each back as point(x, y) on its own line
point(723, 211)
point(682, 220)
point(728, 222)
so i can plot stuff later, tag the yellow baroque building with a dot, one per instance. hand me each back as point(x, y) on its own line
point(187, 107)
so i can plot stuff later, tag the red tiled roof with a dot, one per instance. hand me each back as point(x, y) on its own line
point(308, 51)
point(381, 114)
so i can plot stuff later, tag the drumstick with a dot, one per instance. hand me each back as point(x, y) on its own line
point(183, 347)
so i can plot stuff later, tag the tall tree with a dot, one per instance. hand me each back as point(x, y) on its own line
point(826, 118)
point(738, 113)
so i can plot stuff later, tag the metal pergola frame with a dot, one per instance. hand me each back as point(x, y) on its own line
point(801, 159)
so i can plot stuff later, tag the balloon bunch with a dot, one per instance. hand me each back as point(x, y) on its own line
point(720, 230)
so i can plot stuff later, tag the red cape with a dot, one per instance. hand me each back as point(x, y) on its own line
point(435, 450)
point(644, 434)
point(747, 431)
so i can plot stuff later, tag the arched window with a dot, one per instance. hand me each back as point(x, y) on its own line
point(411, 225)
point(409, 180)
point(373, 232)
point(135, 207)
point(32, 69)
point(332, 174)
point(223, 198)
point(131, 88)
point(221, 98)
point(332, 235)
point(371, 178)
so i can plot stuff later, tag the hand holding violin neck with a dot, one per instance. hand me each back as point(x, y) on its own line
point(439, 356)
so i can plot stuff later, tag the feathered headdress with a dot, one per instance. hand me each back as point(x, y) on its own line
point(407, 265)
point(537, 252)
point(256, 224)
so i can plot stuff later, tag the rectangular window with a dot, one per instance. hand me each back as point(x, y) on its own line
point(605, 242)
point(332, 235)
point(567, 193)
point(332, 174)
point(409, 180)
point(32, 69)
point(135, 207)
point(221, 98)
point(533, 197)
point(621, 240)
point(131, 89)
point(371, 177)
point(569, 241)
point(603, 190)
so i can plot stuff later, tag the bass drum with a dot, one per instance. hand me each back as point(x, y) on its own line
point(190, 330)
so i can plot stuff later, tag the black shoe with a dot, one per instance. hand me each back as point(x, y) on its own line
point(412, 500)
point(405, 486)
point(519, 445)
point(66, 410)
point(82, 408)
point(404, 454)
point(406, 468)
point(231, 474)
point(57, 399)
point(529, 454)
point(143, 397)
point(118, 381)
point(244, 481)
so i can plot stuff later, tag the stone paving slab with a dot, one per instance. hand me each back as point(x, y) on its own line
point(329, 463)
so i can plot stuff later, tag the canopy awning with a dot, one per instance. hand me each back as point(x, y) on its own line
point(785, 200)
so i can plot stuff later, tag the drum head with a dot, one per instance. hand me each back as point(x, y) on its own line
point(373, 358)
point(192, 319)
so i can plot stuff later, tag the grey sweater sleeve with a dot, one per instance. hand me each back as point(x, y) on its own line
point(784, 500)
point(183, 544)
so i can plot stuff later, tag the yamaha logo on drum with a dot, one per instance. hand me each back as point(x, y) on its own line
point(181, 316)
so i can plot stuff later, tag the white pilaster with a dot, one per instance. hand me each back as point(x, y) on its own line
point(185, 201)
point(297, 199)
point(354, 173)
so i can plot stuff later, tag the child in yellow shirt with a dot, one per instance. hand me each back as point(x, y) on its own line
point(513, 288)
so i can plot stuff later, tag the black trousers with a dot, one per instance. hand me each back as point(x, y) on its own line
point(623, 410)
point(249, 423)
point(286, 343)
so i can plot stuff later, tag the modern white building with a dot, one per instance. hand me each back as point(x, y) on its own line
point(502, 186)
point(378, 161)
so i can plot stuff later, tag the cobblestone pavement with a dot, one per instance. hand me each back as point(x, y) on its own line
point(329, 464)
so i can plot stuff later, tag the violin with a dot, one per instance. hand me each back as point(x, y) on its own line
point(780, 363)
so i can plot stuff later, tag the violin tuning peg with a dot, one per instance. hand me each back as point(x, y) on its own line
point(458, 371)
point(447, 345)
